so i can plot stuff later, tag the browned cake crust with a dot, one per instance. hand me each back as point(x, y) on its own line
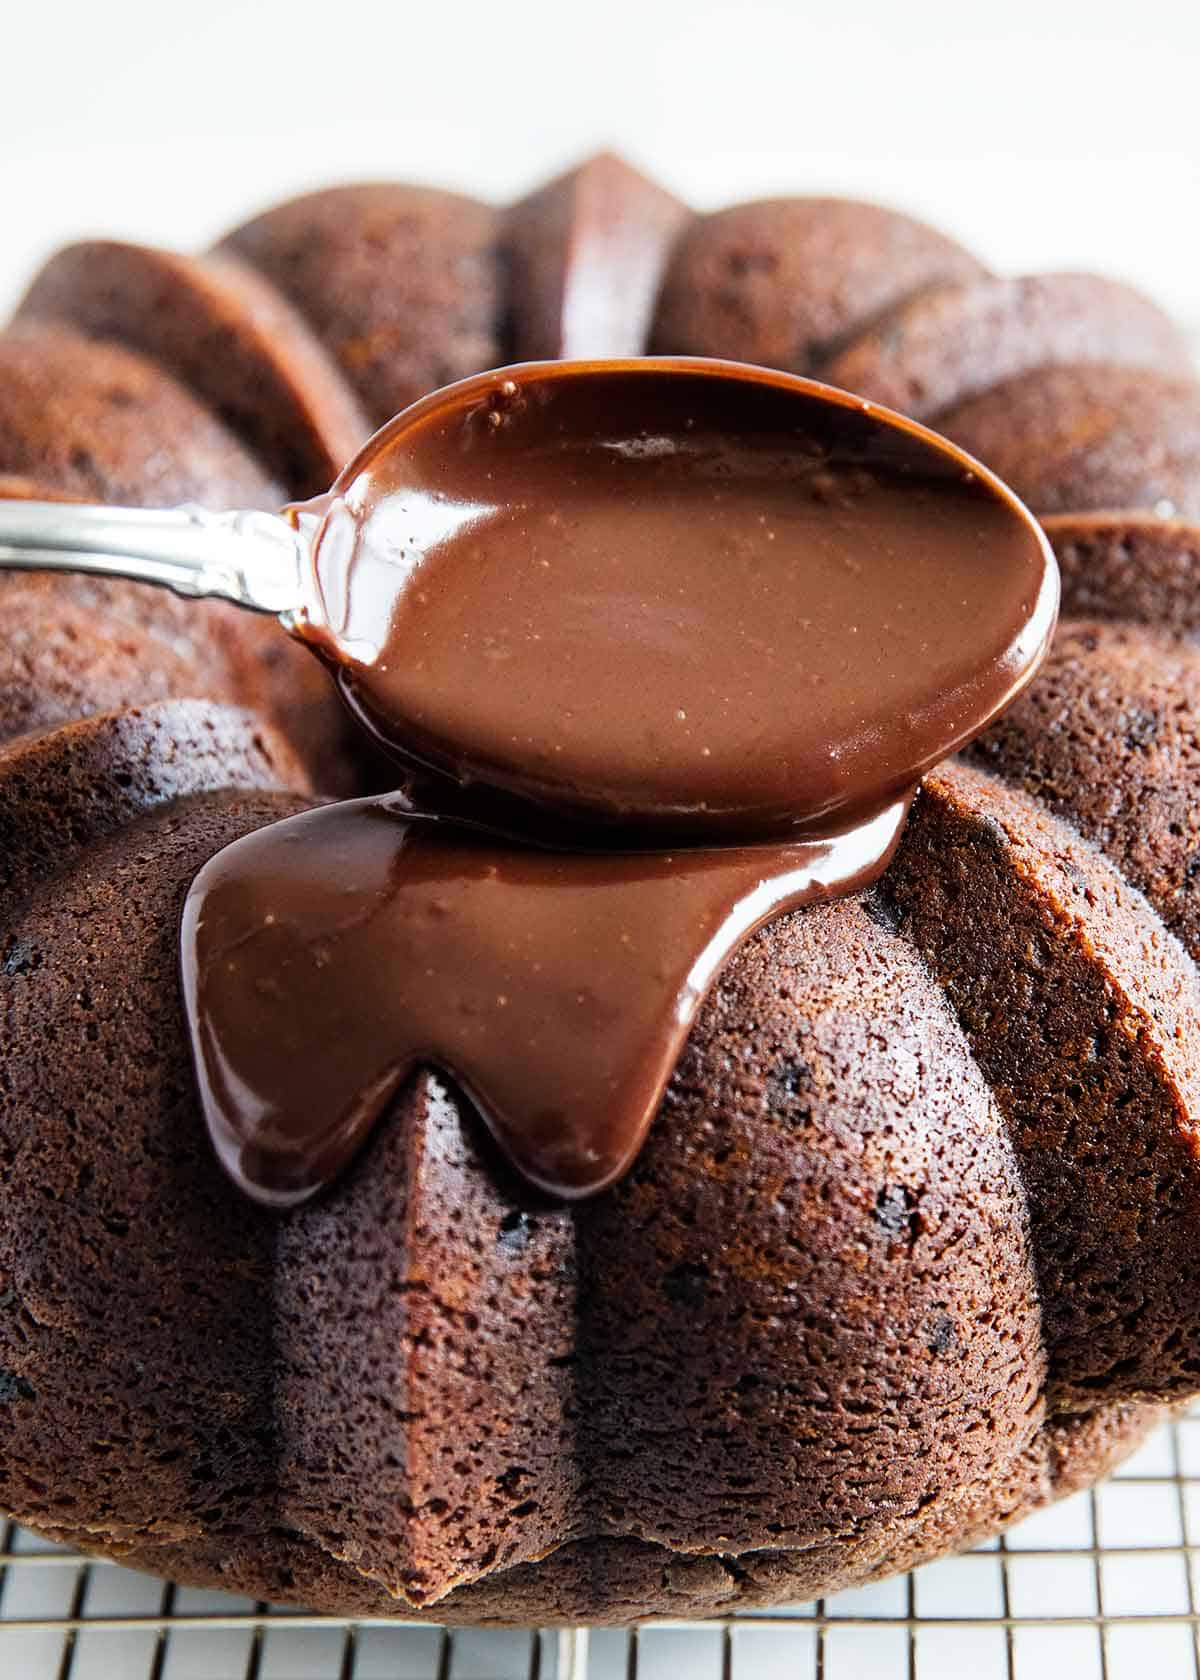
point(1082, 1013)
point(1128, 565)
point(93, 645)
point(92, 418)
point(617, 1579)
point(65, 789)
point(215, 326)
point(947, 344)
point(1109, 737)
point(583, 259)
point(836, 1167)
point(912, 1246)
point(784, 281)
point(400, 283)
point(1075, 438)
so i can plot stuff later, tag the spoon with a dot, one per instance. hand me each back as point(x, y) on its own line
point(663, 600)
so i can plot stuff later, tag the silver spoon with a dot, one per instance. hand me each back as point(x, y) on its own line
point(254, 559)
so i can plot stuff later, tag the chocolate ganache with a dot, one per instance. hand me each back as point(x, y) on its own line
point(666, 646)
point(672, 600)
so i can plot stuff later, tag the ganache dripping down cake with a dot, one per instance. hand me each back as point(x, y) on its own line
point(909, 1245)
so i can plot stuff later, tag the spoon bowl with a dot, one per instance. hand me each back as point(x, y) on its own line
point(650, 602)
point(670, 600)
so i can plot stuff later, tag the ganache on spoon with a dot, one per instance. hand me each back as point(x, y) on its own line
point(611, 608)
point(663, 601)
point(652, 601)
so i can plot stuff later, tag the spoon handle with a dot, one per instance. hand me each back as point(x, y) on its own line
point(253, 559)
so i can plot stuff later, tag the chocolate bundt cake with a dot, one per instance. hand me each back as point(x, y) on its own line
point(909, 1248)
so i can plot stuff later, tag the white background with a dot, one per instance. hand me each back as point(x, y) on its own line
point(1059, 133)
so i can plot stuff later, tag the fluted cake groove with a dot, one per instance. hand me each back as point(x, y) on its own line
point(912, 1247)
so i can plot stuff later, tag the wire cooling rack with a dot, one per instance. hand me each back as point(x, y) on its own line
point(1104, 1586)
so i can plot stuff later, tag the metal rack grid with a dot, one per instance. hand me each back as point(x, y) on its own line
point(1104, 1586)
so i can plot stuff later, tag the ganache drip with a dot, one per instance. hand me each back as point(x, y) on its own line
point(666, 646)
point(330, 954)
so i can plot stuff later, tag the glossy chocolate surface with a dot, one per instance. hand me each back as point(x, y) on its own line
point(669, 600)
point(326, 956)
point(703, 628)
